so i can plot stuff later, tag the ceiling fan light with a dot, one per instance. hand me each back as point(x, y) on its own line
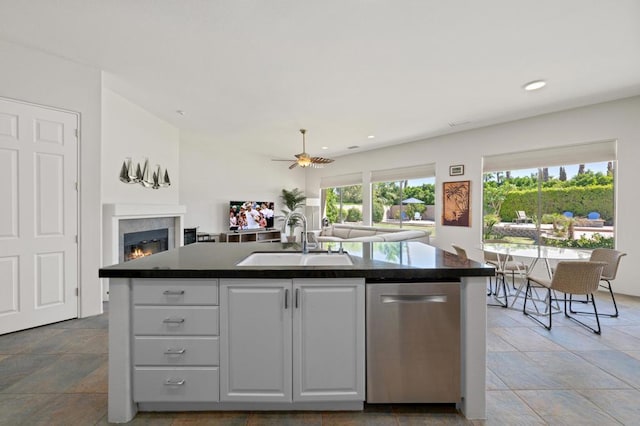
point(304, 162)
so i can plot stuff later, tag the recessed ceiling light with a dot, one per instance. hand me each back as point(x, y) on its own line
point(371, 136)
point(534, 85)
point(325, 147)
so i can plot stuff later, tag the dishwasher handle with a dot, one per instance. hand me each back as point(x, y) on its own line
point(414, 298)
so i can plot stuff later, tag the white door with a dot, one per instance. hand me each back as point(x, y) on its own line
point(328, 340)
point(255, 340)
point(38, 216)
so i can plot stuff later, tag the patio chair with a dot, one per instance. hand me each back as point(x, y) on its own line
point(593, 215)
point(521, 217)
point(570, 277)
point(612, 260)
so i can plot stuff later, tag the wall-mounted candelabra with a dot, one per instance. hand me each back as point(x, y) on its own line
point(141, 175)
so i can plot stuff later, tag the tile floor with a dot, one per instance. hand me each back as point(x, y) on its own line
point(57, 375)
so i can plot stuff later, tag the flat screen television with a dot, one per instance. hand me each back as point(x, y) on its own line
point(248, 215)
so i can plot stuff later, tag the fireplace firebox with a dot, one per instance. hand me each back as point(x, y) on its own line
point(145, 243)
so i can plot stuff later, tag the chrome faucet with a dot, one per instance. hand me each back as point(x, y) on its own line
point(305, 243)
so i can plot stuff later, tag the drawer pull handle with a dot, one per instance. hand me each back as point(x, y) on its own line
point(174, 382)
point(173, 292)
point(172, 351)
point(173, 320)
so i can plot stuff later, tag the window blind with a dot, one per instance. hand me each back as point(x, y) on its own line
point(548, 157)
point(413, 172)
point(342, 180)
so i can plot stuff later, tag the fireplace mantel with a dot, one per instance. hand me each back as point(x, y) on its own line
point(143, 210)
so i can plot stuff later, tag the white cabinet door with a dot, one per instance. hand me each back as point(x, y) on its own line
point(329, 340)
point(255, 340)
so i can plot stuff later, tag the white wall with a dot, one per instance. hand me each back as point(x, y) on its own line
point(617, 120)
point(36, 77)
point(213, 173)
point(130, 131)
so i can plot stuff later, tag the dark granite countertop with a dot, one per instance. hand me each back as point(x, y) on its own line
point(376, 261)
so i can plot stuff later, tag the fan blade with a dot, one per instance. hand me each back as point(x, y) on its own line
point(294, 165)
point(280, 159)
point(321, 160)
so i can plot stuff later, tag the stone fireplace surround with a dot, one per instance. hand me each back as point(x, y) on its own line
point(118, 219)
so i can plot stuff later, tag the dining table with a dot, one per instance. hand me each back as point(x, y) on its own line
point(534, 253)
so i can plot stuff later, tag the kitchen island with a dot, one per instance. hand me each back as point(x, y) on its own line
point(226, 309)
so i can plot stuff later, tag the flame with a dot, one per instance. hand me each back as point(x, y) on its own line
point(138, 253)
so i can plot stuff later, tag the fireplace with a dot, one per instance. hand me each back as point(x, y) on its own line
point(145, 243)
point(121, 219)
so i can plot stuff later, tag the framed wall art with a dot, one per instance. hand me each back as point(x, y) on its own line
point(457, 170)
point(456, 203)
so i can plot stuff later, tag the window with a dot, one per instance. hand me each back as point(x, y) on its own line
point(569, 205)
point(342, 198)
point(343, 204)
point(404, 197)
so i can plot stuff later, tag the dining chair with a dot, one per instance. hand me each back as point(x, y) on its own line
point(612, 259)
point(462, 253)
point(570, 277)
point(494, 260)
point(505, 263)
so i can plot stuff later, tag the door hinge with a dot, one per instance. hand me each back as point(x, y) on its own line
point(77, 186)
point(77, 292)
point(76, 132)
point(76, 239)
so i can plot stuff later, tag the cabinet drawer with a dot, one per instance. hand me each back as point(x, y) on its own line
point(160, 291)
point(176, 320)
point(176, 351)
point(155, 384)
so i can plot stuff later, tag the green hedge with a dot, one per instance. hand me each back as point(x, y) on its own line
point(581, 200)
point(596, 241)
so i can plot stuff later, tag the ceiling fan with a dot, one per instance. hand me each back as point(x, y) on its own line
point(305, 160)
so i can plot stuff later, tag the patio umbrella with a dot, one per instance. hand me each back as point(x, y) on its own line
point(412, 200)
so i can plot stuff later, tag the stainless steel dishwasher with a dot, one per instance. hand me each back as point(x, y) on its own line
point(413, 343)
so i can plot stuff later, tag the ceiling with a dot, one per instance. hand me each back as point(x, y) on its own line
point(251, 73)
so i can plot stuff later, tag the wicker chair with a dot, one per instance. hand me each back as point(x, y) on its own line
point(462, 253)
point(504, 264)
point(612, 259)
point(571, 278)
point(493, 260)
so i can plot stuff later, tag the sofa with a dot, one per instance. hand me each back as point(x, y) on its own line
point(346, 233)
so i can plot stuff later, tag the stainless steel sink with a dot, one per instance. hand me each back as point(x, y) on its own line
point(297, 259)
